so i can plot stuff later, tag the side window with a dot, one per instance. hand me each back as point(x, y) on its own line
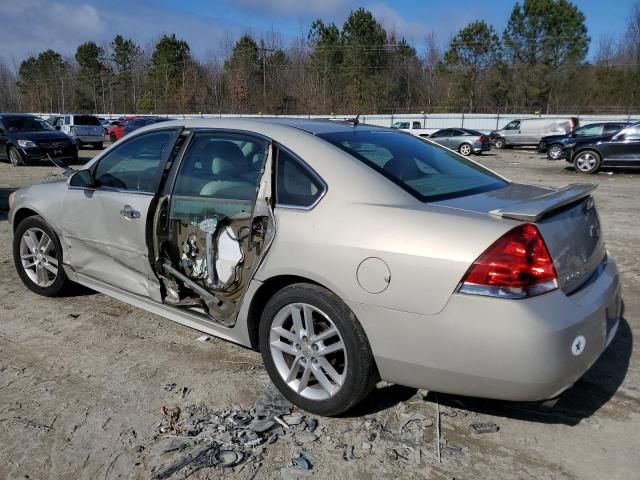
point(67, 120)
point(611, 129)
point(632, 133)
point(136, 165)
point(221, 166)
point(513, 125)
point(296, 186)
point(417, 125)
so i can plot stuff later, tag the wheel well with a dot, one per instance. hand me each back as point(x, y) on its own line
point(262, 296)
point(20, 215)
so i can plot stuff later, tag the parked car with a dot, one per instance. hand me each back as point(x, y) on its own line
point(589, 154)
point(84, 129)
point(229, 226)
point(114, 130)
point(414, 128)
point(462, 140)
point(136, 123)
point(27, 139)
point(529, 131)
point(553, 144)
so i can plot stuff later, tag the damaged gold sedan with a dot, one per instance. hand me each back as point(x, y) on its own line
point(341, 251)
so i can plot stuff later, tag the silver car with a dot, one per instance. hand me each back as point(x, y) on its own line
point(345, 253)
point(462, 140)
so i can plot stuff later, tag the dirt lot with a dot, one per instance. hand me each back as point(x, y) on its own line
point(82, 384)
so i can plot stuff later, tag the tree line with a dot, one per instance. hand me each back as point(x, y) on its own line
point(538, 64)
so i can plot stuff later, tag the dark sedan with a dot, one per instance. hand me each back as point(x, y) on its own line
point(553, 144)
point(137, 123)
point(27, 139)
point(589, 154)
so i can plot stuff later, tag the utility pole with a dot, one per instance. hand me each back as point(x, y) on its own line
point(264, 51)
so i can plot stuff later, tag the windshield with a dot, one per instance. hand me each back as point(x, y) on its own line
point(85, 120)
point(26, 124)
point(427, 171)
point(588, 130)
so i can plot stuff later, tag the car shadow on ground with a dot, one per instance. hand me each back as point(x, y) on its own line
point(586, 397)
point(4, 198)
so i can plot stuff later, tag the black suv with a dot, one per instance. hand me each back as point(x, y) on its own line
point(553, 144)
point(26, 139)
point(588, 154)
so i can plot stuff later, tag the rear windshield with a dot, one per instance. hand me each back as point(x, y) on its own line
point(85, 120)
point(427, 171)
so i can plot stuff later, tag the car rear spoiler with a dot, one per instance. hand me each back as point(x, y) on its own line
point(535, 208)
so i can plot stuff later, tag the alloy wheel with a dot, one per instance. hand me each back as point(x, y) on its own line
point(465, 149)
point(38, 257)
point(14, 157)
point(308, 351)
point(586, 162)
point(555, 151)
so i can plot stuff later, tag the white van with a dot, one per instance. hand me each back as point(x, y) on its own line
point(85, 129)
point(529, 131)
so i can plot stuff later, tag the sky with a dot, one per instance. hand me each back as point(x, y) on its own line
point(30, 26)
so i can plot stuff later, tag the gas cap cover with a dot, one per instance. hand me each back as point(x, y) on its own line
point(373, 275)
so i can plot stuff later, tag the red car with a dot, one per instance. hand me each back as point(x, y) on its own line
point(114, 131)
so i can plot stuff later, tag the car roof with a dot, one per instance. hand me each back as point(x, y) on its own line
point(260, 124)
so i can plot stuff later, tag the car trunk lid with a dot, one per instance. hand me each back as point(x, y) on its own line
point(566, 217)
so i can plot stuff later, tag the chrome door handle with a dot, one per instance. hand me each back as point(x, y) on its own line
point(129, 212)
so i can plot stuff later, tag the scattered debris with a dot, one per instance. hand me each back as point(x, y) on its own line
point(303, 461)
point(184, 461)
point(203, 338)
point(450, 451)
point(170, 386)
point(484, 428)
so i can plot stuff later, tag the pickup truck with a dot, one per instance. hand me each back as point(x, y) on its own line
point(414, 128)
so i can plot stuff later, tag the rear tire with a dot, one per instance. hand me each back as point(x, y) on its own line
point(98, 146)
point(113, 138)
point(542, 146)
point(465, 149)
point(321, 383)
point(499, 143)
point(587, 161)
point(15, 157)
point(37, 255)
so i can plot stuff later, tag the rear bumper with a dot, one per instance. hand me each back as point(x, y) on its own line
point(494, 348)
point(479, 147)
point(89, 138)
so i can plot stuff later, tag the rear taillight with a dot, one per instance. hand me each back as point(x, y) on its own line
point(517, 265)
point(484, 138)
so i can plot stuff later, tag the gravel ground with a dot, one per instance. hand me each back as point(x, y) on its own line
point(82, 384)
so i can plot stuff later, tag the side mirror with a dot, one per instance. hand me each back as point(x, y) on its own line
point(81, 179)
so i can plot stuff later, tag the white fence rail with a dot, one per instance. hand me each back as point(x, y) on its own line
point(435, 121)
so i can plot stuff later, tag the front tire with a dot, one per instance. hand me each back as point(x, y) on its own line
point(588, 161)
point(554, 152)
point(465, 149)
point(15, 157)
point(113, 138)
point(37, 255)
point(315, 350)
point(499, 143)
point(98, 146)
